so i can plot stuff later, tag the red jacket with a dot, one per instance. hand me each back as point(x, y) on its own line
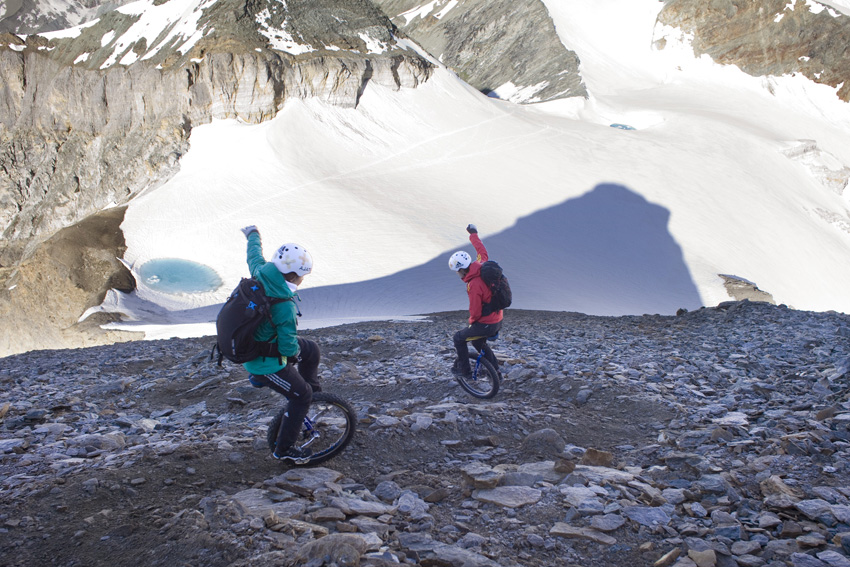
point(479, 293)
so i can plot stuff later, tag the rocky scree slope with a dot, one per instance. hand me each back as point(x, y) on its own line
point(715, 438)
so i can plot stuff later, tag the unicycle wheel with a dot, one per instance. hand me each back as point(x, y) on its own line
point(484, 382)
point(327, 430)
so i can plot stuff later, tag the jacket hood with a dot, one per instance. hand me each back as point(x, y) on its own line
point(274, 282)
point(474, 272)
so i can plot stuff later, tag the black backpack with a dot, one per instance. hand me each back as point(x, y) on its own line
point(241, 314)
point(492, 275)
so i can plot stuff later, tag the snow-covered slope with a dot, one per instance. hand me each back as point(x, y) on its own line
point(718, 176)
point(842, 6)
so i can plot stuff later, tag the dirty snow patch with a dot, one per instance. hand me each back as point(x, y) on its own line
point(439, 15)
point(423, 11)
point(373, 45)
point(518, 94)
point(280, 39)
point(175, 21)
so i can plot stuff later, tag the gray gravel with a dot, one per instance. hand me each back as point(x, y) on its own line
point(717, 437)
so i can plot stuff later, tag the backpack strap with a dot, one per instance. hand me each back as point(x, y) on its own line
point(220, 354)
point(276, 300)
point(272, 343)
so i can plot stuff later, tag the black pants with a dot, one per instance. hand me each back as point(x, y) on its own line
point(297, 384)
point(481, 331)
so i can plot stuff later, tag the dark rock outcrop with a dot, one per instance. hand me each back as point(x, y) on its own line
point(41, 303)
point(741, 289)
point(771, 37)
point(490, 43)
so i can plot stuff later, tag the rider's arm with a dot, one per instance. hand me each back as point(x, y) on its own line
point(479, 247)
point(476, 299)
point(255, 253)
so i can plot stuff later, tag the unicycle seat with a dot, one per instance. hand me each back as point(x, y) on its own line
point(490, 338)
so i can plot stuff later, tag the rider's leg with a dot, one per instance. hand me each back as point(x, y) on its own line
point(308, 362)
point(478, 343)
point(488, 352)
point(461, 365)
point(481, 344)
point(289, 383)
point(490, 356)
point(460, 340)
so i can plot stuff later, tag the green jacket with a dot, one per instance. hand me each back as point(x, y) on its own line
point(284, 314)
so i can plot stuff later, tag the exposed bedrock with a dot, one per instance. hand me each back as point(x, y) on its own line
point(44, 296)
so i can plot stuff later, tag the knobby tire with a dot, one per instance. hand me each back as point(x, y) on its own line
point(334, 422)
point(486, 383)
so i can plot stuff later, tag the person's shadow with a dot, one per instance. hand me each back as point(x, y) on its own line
point(607, 252)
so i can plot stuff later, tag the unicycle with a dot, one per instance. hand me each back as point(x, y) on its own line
point(328, 428)
point(485, 379)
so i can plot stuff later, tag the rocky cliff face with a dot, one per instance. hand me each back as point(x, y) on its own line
point(75, 140)
point(92, 118)
point(769, 37)
point(81, 130)
point(506, 46)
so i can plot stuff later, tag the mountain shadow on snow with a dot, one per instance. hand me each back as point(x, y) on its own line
point(607, 252)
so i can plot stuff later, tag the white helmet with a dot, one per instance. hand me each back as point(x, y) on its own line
point(460, 261)
point(293, 258)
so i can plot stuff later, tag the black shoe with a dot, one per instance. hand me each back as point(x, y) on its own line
point(460, 374)
point(294, 455)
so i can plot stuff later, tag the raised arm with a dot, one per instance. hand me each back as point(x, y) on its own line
point(479, 247)
point(255, 250)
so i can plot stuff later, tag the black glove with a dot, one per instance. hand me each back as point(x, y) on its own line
point(471, 229)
